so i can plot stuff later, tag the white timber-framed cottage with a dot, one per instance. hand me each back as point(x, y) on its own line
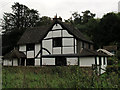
point(57, 44)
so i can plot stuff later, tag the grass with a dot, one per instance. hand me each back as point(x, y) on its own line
point(56, 77)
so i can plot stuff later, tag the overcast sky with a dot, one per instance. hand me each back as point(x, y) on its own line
point(63, 8)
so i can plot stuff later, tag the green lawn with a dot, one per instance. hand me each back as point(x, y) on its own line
point(56, 77)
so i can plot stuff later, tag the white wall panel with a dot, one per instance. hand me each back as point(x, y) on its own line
point(75, 49)
point(68, 41)
point(48, 61)
point(57, 50)
point(15, 62)
point(75, 42)
point(103, 66)
point(58, 26)
point(106, 61)
point(37, 62)
point(66, 34)
point(57, 33)
point(87, 61)
point(37, 49)
point(48, 45)
point(49, 35)
point(44, 52)
point(102, 63)
point(72, 61)
point(30, 54)
point(7, 62)
point(68, 50)
point(97, 60)
point(22, 48)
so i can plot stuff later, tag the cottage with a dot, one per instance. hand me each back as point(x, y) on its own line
point(57, 44)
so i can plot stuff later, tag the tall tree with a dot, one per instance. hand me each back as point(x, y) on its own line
point(109, 28)
point(15, 23)
point(44, 20)
point(87, 15)
point(20, 18)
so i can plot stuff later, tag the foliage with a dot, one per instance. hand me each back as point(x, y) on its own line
point(44, 20)
point(103, 31)
point(78, 19)
point(14, 24)
point(56, 77)
point(20, 18)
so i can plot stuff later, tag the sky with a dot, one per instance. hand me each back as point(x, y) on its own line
point(63, 8)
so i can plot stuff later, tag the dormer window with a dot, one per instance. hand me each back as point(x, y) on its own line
point(57, 42)
point(30, 47)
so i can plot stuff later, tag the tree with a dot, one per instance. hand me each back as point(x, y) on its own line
point(109, 28)
point(87, 15)
point(15, 23)
point(44, 20)
point(20, 18)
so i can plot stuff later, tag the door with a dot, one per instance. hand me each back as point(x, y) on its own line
point(21, 62)
point(30, 62)
point(60, 61)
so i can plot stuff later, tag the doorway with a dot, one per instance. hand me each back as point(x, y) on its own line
point(21, 62)
point(30, 62)
point(60, 61)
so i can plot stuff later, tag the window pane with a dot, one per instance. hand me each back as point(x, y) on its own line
point(57, 42)
point(30, 47)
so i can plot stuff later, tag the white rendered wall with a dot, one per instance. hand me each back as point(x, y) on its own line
point(22, 48)
point(30, 54)
point(48, 61)
point(72, 61)
point(57, 50)
point(97, 60)
point(68, 50)
point(15, 62)
point(103, 66)
point(37, 62)
point(48, 45)
point(105, 61)
point(57, 33)
point(37, 49)
point(68, 41)
point(66, 34)
point(56, 26)
point(49, 35)
point(7, 62)
point(87, 61)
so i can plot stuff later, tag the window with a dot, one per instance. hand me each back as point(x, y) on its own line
point(30, 47)
point(57, 42)
point(60, 61)
point(30, 62)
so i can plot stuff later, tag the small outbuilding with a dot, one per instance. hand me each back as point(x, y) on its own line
point(14, 58)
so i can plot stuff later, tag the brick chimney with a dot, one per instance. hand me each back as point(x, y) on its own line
point(55, 18)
